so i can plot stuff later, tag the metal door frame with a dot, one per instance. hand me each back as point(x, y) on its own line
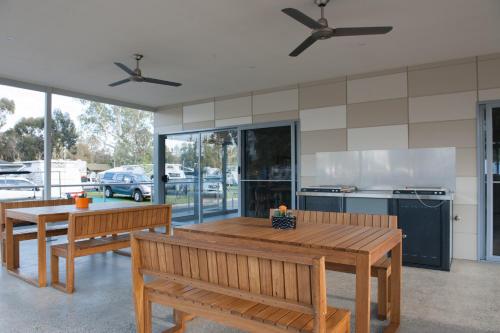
point(294, 130)
point(485, 225)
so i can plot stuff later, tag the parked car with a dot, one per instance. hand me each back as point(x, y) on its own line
point(176, 177)
point(127, 184)
point(7, 191)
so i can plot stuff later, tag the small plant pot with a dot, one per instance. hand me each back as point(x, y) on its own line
point(82, 202)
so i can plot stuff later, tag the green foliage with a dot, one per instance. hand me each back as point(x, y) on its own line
point(7, 107)
point(123, 133)
point(64, 137)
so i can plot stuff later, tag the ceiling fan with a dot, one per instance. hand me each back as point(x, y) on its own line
point(321, 30)
point(136, 75)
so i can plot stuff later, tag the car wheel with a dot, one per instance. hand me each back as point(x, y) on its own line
point(108, 193)
point(138, 197)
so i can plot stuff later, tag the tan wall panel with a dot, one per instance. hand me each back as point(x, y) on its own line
point(331, 94)
point(468, 218)
point(443, 107)
point(377, 88)
point(464, 246)
point(458, 133)
point(233, 121)
point(308, 165)
point(325, 140)
point(382, 137)
point(329, 117)
point(198, 112)
point(199, 125)
point(442, 80)
point(277, 116)
point(378, 113)
point(466, 191)
point(466, 165)
point(278, 101)
point(168, 117)
point(489, 74)
point(168, 129)
point(489, 95)
point(233, 108)
point(307, 181)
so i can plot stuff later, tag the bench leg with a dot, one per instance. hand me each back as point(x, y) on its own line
point(148, 316)
point(383, 294)
point(54, 269)
point(2, 245)
point(16, 253)
point(180, 319)
point(70, 274)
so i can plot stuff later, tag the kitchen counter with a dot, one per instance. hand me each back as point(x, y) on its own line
point(377, 194)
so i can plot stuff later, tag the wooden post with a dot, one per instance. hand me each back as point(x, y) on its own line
point(363, 272)
point(318, 285)
point(42, 255)
point(137, 286)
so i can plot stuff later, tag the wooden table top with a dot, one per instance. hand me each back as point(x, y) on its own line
point(354, 239)
point(31, 214)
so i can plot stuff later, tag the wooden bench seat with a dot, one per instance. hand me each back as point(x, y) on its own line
point(30, 233)
point(241, 286)
point(103, 231)
point(380, 270)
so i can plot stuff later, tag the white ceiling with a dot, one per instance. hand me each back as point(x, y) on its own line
point(222, 47)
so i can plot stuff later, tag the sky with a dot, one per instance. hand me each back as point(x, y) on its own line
point(32, 104)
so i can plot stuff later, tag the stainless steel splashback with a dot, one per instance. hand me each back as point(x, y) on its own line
point(388, 169)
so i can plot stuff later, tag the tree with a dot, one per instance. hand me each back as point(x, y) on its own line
point(7, 107)
point(64, 135)
point(124, 133)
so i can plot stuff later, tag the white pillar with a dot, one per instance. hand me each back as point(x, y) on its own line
point(47, 147)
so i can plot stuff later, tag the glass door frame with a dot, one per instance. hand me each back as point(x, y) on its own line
point(294, 137)
point(485, 153)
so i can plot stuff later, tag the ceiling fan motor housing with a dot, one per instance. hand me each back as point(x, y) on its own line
point(321, 3)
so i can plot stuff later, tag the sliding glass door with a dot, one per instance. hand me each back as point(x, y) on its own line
point(202, 175)
point(267, 169)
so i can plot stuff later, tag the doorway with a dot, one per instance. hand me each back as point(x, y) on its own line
point(490, 178)
point(202, 175)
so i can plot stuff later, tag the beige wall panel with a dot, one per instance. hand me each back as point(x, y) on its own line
point(489, 95)
point(489, 74)
point(199, 125)
point(468, 218)
point(233, 121)
point(277, 116)
point(466, 191)
point(377, 88)
point(168, 117)
point(323, 141)
point(442, 80)
point(198, 112)
point(378, 113)
point(457, 133)
point(168, 129)
point(464, 246)
point(233, 108)
point(307, 181)
point(278, 101)
point(308, 165)
point(330, 117)
point(466, 165)
point(331, 94)
point(382, 137)
point(443, 107)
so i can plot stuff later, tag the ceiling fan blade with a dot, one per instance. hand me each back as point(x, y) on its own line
point(166, 83)
point(339, 32)
point(125, 68)
point(117, 83)
point(304, 45)
point(302, 18)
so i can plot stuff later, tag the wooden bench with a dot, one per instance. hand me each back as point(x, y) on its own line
point(22, 234)
point(244, 287)
point(85, 228)
point(381, 269)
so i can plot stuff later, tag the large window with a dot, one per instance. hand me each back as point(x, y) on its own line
point(96, 143)
point(21, 143)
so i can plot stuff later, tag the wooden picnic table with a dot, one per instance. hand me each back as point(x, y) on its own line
point(42, 217)
point(341, 244)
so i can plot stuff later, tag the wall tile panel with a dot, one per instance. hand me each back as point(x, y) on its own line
point(382, 137)
point(455, 106)
point(377, 88)
point(323, 118)
point(378, 113)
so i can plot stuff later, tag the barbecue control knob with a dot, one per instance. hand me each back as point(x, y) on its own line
point(457, 218)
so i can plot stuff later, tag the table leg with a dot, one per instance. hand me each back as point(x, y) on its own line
point(363, 272)
point(42, 260)
point(9, 244)
point(395, 286)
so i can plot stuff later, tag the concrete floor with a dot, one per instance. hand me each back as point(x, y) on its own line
point(467, 299)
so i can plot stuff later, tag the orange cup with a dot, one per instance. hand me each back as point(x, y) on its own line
point(82, 202)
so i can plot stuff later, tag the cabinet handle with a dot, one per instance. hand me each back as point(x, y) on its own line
point(404, 236)
point(457, 218)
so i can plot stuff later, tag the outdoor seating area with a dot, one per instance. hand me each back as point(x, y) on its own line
point(285, 166)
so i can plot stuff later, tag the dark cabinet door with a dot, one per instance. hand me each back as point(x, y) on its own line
point(422, 224)
point(322, 204)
